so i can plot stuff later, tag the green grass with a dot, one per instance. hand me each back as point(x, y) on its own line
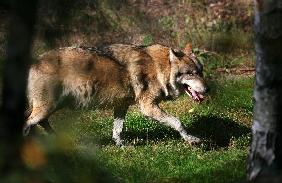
point(84, 150)
point(173, 161)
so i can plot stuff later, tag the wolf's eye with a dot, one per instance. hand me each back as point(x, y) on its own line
point(190, 73)
point(178, 74)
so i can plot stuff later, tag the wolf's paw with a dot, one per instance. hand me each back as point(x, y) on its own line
point(192, 140)
point(119, 143)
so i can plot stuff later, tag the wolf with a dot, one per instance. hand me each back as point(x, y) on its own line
point(116, 76)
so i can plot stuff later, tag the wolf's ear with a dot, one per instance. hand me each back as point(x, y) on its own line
point(188, 49)
point(172, 56)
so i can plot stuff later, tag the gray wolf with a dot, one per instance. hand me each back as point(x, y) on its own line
point(117, 76)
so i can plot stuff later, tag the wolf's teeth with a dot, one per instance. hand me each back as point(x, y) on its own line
point(187, 93)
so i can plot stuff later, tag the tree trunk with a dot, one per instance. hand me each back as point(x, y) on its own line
point(265, 155)
point(14, 82)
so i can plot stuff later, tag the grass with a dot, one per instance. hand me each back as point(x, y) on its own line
point(174, 161)
point(84, 151)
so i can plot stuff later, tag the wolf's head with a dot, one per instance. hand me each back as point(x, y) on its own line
point(187, 73)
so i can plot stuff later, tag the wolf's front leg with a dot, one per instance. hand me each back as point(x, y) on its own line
point(119, 118)
point(117, 129)
point(153, 111)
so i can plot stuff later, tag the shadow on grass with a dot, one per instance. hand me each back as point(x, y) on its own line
point(216, 132)
point(141, 137)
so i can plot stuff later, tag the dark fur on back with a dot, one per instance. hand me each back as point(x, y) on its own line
point(105, 50)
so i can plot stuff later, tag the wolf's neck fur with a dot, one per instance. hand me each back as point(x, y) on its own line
point(160, 55)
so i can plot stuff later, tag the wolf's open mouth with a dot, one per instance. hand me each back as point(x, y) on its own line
point(195, 95)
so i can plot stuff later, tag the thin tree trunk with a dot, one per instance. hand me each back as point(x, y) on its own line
point(14, 82)
point(265, 155)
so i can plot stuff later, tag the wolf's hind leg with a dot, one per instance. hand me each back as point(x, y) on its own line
point(44, 103)
point(39, 114)
point(44, 92)
point(153, 111)
point(119, 118)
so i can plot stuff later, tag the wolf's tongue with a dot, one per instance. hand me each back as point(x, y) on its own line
point(195, 95)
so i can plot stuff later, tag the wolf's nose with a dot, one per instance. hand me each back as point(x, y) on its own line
point(206, 89)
